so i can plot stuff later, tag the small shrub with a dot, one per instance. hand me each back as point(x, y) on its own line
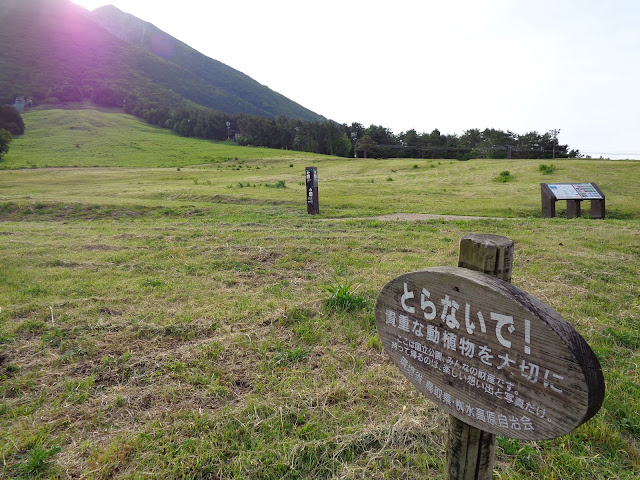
point(343, 299)
point(284, 357)
point(374, 342)
point(546, 169)
point(504, 176)
point(278, 184)
point(36, 462)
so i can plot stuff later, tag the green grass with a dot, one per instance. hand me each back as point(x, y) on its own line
point(344, 299)
point(152, 326)
point(546, 169)
point(504, 176)
point(94, 138)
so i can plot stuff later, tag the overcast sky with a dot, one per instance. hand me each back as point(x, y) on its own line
point(518, 65)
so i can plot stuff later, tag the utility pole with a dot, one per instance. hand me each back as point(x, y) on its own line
point(354, 137)
point(509, 149)
point(554, 139)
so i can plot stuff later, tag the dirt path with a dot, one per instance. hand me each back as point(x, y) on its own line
point(425, 216)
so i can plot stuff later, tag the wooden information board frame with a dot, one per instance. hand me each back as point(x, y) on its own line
point(574, 194)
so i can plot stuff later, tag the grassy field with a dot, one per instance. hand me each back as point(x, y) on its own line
point(91, 138)
point(176, 322)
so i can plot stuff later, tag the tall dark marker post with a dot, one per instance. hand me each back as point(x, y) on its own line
point(313, 206)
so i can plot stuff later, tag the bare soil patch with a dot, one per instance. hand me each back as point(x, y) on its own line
point(413, 217)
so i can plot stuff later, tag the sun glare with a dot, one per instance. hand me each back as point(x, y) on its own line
point(90, 4)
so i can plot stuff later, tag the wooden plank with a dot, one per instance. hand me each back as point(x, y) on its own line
point(489, 353)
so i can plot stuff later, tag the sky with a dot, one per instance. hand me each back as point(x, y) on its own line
point(454, 65)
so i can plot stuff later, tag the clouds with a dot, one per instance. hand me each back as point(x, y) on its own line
point(450, 65)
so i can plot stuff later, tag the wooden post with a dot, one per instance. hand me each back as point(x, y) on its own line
point(573, 209)
point(471, 451)
point(313, 205)
point(597, 208)
point(597, 205)
point(548, 201)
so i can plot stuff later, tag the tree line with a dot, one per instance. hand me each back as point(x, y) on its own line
point(330, 138)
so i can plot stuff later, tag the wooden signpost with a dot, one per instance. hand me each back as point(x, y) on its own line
point(574, 194)
point(494, 357)
point(313, 205)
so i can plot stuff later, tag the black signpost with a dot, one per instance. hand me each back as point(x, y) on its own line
point(574, 194)
point(313, 206)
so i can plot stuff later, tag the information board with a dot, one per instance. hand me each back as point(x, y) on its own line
point(489, 353)
point(587, 191)
point(574, 191)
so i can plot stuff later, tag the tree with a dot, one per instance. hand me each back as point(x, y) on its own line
point(530, 145)
point(381, 135)
point(409, 138)
point(494, 142)
point(471, 138)
point(436, 139)
point(5, 140)
point(342, 146)
point(10, 120)
point(365, 144)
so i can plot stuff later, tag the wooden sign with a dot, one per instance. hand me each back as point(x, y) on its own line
point(489, 353)
point(313, 204)
point(575, 191)
point(574, 194)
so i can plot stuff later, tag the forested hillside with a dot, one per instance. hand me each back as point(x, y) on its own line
point(241, 94)
point(54, 51)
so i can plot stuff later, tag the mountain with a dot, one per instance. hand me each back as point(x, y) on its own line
point(55, 50)
point(243, 94)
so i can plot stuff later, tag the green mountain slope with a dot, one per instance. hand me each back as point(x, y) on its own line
point(242, 93)
point(55, 51)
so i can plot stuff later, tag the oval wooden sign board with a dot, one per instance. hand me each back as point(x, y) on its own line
point(488, 353)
